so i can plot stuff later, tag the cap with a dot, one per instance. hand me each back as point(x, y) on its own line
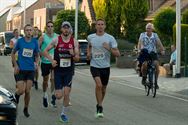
point(66, 23)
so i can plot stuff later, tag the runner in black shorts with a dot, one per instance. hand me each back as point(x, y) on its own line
point(100, 46)
point(46, 65)
point(103, 73)
point(65, 54)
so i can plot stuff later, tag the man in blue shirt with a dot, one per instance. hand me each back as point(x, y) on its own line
point(172, 62)
point(24, 67)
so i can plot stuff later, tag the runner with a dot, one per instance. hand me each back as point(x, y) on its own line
point(36, 35)
point(66, 52)
point(100, 45)
point(46, 65)
point(14, 40)
point(28, 52)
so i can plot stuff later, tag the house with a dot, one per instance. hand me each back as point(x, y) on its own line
point(70, 4)
point(3, 16)
point(42, 16)
point(88, 9)
point(156, 5)
point(84, 6)
point(16, 17)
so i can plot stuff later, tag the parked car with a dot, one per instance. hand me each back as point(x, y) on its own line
point(5, 38)
point(8, 110)
point(83, 51)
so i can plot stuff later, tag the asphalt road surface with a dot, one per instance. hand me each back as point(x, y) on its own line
point(123, 105)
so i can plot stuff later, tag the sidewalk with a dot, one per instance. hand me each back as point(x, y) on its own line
point(129, 76)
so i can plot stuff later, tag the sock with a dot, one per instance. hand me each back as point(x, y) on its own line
point(64, 110)
point(45, 95)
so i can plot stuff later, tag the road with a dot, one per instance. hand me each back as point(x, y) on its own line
point(123, 105)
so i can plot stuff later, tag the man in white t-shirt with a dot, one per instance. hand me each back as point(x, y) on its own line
point(14, 40)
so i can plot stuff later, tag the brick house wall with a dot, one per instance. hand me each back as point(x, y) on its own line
point(18, 20)
point(42, 16)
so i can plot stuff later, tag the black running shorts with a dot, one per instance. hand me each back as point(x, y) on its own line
point(103, 73)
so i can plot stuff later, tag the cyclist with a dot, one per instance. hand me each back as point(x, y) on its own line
point(149, 41)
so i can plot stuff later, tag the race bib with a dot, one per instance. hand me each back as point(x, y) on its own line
point(65, 62)
point(27, 52)
point(98, 55)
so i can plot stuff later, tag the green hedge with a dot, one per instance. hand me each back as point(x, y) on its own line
point(185, 17)
point(184, 33)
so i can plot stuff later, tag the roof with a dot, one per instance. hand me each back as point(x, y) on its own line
point(19, 9)
point(4, 11)
point(168, 3)
point(12, 12)
point(28, 4)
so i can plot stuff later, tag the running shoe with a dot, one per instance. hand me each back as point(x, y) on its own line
point(99, 113)
point(17, 98)
point(53, 103)
point(26, 113)
point(45, 102)
point(64, 118)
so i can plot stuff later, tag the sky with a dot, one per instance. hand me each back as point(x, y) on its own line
point(5, 3)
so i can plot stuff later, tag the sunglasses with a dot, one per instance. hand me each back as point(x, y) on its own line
point(50, 26)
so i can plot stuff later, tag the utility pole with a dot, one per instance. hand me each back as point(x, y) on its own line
point(24, 22)
point(178, 38)
point(76, 21)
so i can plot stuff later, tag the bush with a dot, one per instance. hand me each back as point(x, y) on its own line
point(185, 17)
point(164, 22)
point(69, 15)
point(184, 33)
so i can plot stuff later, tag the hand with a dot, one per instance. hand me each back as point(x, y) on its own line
point(16, 69)
point(54, 63)
point(88, 56)
point(76, 58)
point(163, 52)
point(106, 46)
point(71, 51)
point(36, 66)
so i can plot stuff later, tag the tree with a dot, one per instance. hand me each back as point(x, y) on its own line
point(100, 8)
point(123, 17)
point(135, 13)
point(69, 15)
point(164, 22)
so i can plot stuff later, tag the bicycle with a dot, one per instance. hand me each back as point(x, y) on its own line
point(151, 83)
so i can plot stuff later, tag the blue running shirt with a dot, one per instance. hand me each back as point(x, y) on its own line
point(26, 53)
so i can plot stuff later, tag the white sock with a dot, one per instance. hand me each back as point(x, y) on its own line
point(53, 92)
point(45, 95)
point(64, 110)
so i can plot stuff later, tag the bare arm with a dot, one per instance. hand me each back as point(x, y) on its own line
point(115, 51)
point(41, 39)
point(13, 57)
point(162, 49)
point(48, 48)
point(76, 51)
point(89, 51)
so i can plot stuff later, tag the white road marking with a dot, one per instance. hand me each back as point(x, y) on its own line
point(124, 84)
